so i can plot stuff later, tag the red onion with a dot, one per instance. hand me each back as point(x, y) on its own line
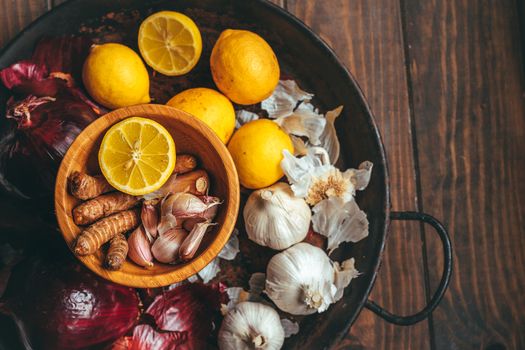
point(59, 305)
point(186, 318)
point(49, 112)
point(146, 338)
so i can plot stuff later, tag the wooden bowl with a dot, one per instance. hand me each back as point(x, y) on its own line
point(191, 136)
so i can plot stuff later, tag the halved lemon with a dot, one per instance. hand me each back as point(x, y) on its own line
point(170, 42)
point(137, 156)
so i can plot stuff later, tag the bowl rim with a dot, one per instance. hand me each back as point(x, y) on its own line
point(181, 272)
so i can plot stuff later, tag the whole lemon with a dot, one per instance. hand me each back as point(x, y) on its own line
point(210, 106)
point(115, 76)
point(244, 66)
point(257, 150)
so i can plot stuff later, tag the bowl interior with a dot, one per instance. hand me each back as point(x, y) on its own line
point(191, 137)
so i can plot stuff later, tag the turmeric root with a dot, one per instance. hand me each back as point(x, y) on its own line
point(105, 229)
point(196, 182)
point(117, 252)
point(85, 187)
point(184, 163)
point(102, 206)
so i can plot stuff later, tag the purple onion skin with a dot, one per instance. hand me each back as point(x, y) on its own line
point(64, 306)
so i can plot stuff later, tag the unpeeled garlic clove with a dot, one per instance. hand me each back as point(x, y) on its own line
point(191, 244)
point(186, 205)
point(139, 248)
point(166, 247)
point(150, 219)
point(188, 224)
point(208, 215)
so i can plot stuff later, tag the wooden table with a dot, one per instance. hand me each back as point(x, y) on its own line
point(445, 80)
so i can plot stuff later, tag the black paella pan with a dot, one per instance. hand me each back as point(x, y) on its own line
point(304, 57)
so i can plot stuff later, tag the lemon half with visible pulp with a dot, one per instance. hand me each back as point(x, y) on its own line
point(137, 156)
point(170, 42)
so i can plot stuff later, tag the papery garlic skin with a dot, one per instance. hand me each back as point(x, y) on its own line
point(344, 273)
point(251, 326)
point(284, 99)
point(300, 280)
point(339, 222)
point(304, 121)
point(315, 179)
point(243, 116)
point(274, 217)
point(329, 139)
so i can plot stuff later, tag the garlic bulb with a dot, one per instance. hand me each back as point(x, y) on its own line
point(166, 248)
point(300, 280)
point(274, 217)
point(251, 326)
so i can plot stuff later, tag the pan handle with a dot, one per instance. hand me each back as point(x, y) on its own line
point(445, 278)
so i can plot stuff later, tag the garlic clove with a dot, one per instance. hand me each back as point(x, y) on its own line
point(167, 219)
point(191, 243)
point(251, 326)
point(188, 224)
point(166, 247)
point(139, 248)
point(150, 219)
point(274, 217)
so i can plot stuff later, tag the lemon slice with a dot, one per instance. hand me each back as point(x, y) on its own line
point(137, 156)
point(170, 42)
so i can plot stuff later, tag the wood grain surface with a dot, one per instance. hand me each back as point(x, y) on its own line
point(445, 81)
point(469, 115)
